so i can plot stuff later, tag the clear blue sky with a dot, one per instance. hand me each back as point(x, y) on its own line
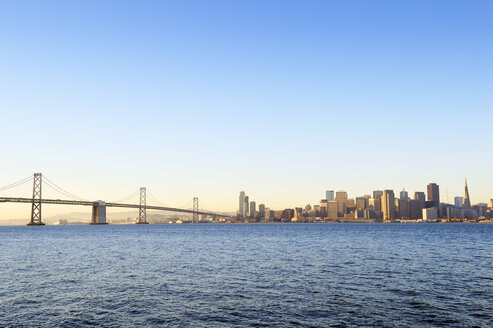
point(282, 99)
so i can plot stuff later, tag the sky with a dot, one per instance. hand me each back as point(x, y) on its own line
point(280, 99)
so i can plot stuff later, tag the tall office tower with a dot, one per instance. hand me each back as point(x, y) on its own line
point(434, 194)
point(253, 208)
point(405, 209)
point(332, 209)
point(341, 198)
point(376, 204)
point(377, 194)
point(419, 196)
point(404, 195)
point(246, 203)
point(398, 202)
point(466, 203)
point(242, 200)
point(261, 209)
point(323, 208)
point(361, 203)
point(414, 210)
point(388, 205)
point(329, 195)
point(458, 201)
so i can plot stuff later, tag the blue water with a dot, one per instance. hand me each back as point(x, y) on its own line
point(272, 275)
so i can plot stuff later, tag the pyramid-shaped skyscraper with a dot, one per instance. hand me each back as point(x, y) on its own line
point(466, 203)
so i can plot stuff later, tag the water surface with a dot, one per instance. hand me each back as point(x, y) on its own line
point(272, 275)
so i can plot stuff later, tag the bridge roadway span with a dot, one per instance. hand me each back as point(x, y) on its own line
point(89, 203)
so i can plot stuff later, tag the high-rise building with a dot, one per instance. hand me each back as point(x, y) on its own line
point(405, 209)
point(242, 201)
point(329, 195)
point(261, 209)
point(377, 194)
point(415, 211)
point(419, 196)
point(361, 203)
point(466, 203)
point(246, 204)
point(376, 204)
point(388, 205)
point(404, 195)
point(433, 194)
point(332, 209)
point(253, 208)
point(458, 201)
point(341, 198)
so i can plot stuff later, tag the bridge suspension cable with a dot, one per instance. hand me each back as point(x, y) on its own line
point(155, 199)
point(132, 195)
point(18, 183)
point(52, 185)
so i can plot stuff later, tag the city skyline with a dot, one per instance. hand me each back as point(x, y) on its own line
point(375, 206)
point(20, 210)
point(202, 99)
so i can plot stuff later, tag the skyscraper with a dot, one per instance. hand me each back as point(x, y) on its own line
point(404, 195)
point(341, 198)
point(361, 203)
point(458, 201)
point(377, 194)
point(245, 206)
point(420, 198)
point(329, 195)
point(253, 208)
point(434, 194)
point(466, 203)
point(261, 209)
point(388, 205)
point(242, 201)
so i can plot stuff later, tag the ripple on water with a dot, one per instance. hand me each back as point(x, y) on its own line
point(310, 275)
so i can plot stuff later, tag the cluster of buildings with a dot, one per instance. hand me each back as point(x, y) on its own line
point(381, 206)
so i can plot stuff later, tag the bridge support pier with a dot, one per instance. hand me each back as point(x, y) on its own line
point(142, 207)
point(99, 213)
point(36, 203)
point(195, 215)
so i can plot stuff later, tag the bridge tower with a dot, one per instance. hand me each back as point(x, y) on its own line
point(195, 217)
point(36, 203)
point(142, 207)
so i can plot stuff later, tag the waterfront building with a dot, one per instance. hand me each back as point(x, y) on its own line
point(323, 208)
point(261, 209)
point(329, 195)
point(253, 209)
point(242, 201)
point(332, 207)
point(415, 211)
point(246, 204)
point(433, 195)
point(420, 197)
point(430, 213)
point(388, 205)
point(341, 198)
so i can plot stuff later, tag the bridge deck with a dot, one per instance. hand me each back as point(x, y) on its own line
point(88, 203)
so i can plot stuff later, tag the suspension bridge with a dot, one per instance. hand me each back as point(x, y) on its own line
point(98, 207)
